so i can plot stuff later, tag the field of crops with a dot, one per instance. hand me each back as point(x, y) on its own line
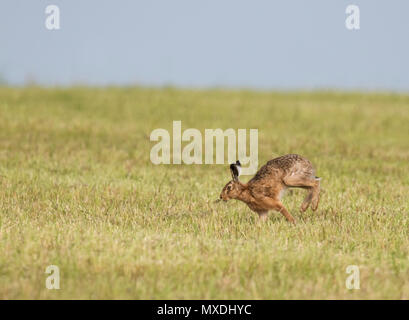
point(78, 190)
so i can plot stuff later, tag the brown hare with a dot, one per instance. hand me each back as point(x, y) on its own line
point(264, 191)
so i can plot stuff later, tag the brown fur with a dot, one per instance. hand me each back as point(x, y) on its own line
point(263, 192)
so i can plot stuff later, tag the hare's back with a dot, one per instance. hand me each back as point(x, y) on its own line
point(284, 165)
point(288, 161)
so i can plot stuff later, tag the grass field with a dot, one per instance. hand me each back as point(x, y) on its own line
point(78, 190)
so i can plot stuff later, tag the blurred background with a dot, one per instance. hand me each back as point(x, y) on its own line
point(261, 44)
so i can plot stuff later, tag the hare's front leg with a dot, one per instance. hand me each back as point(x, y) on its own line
point(275, 204)
point(263, 215)
point(280, 208)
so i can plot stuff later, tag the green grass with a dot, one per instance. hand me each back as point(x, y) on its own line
point(78, 190)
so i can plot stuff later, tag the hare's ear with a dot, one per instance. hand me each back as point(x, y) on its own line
point(235, 169)
point(234, 172)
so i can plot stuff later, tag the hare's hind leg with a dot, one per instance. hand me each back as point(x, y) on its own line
point(312, 184)
point(307, 200)
point(315, 195)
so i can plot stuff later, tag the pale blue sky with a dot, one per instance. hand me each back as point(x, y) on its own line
point(266, 44)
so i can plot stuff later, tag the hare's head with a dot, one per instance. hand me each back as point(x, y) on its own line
point(233, 188)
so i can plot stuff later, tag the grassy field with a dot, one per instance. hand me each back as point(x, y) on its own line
point(78, 190)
